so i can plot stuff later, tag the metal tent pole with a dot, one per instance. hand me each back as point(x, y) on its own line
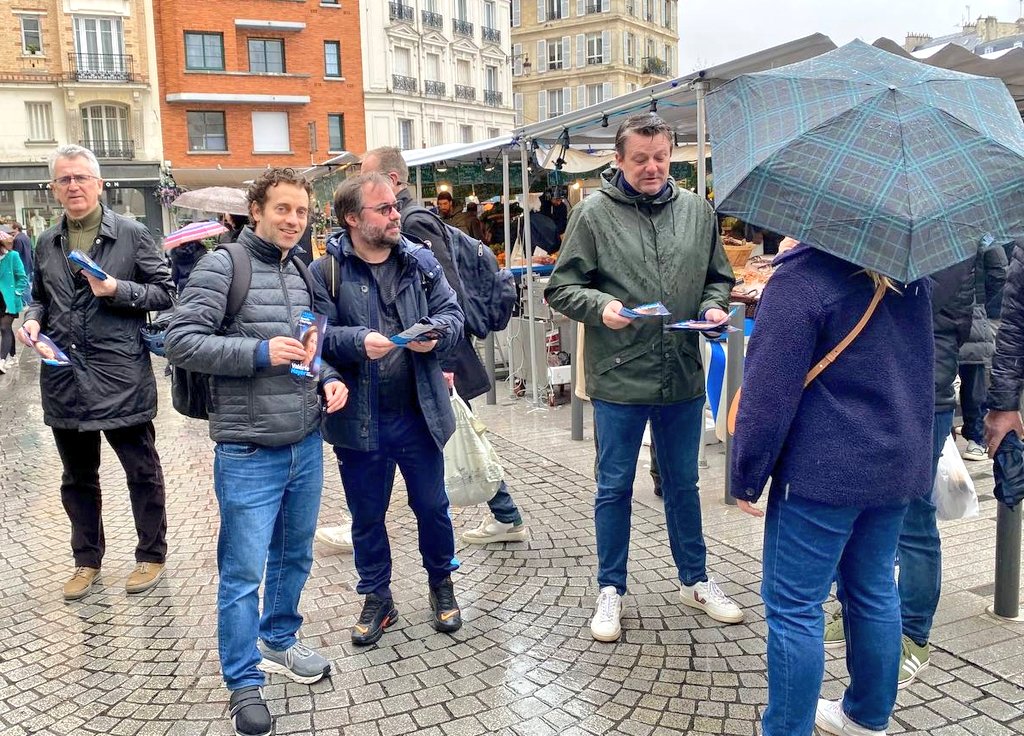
point(700, 89)
point(733, 381)
point(419, 185)
point(524, 159)
point(506, 194)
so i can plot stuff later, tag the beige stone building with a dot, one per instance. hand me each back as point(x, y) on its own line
point(571, 54)
point(84, 72)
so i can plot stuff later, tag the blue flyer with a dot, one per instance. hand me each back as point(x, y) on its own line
point(87, 264)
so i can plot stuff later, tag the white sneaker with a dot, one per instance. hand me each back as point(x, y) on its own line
point(337, 538)
point(3, 366)
point(830, 718)
point(605, 624)
point(708, 597)
point(495, 531)
point(974, 451)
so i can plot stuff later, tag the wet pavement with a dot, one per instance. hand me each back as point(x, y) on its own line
point(524, 662)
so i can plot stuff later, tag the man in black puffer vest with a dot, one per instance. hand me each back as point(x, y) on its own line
point(268, 467)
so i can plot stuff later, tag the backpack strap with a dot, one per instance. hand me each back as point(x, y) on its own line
point(241, 279)
point(329, 268)
point(308, 278)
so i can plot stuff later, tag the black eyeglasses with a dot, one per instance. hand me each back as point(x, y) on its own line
point(79, 179)
point(384, 209)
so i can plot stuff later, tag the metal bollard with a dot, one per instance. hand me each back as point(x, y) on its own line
point(1006, 602)
point(735, 344)
point(492, 392)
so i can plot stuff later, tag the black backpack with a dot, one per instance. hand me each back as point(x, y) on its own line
point(190, 390)
point(489, 292)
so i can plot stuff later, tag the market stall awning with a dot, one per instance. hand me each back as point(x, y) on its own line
point(451, 152)
point(576, 161)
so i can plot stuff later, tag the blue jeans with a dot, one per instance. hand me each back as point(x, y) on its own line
point(368, 477)
point(269, 499)
point(805, 545)
point(920, 551)
point(676, 430)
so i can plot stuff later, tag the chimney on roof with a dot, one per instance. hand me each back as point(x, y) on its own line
point(915, 41)
point(988, 29)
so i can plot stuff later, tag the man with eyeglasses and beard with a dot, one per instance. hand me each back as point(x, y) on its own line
point(109, 385)
point(398, 413)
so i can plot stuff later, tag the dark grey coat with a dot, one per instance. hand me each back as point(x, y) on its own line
point(110, 382)
point(267, 406)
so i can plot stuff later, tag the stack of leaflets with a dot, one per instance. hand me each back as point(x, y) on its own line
point(704, 325)
point(654, 309)
point(422, 331)
point(47, 349)
point(310, 331)
point(87, 264)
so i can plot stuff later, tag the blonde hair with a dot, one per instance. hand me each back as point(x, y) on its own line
point(878, 279)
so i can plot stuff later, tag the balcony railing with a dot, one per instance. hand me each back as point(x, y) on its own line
point(101, 67)
point(121, 150)
point(432, 19)
point(593, 7)
point(465, 92)
point(400, 11)
point(653, 65)
point(462, 27)
point(403, 84)
point(491, 35)
point(492, 97)
point(434, 89)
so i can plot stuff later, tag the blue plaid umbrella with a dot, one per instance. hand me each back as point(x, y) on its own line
point(889, 163)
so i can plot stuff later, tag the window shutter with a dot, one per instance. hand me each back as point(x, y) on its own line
point(581, 97)
point(542, 105)
point(517, 13)
point(581, 9)
point(517, 103)
point(566, 99)
point(566, 52)
point(541, 13)
point(565, 8)
point(606, 5)
point(517, 59)
point(606, 47)
point(606, 91)
point(542, 56)
point(581, 50)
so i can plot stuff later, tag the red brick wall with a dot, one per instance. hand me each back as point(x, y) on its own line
point(303, 56)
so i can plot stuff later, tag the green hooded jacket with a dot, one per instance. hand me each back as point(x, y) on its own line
point(641, 249)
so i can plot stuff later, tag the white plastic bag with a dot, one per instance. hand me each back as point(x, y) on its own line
point(953, 493)
point(472, 471)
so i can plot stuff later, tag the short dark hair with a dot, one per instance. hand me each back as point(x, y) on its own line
point(257, 192)
point(445, 195)
point(17, 226)
point(646, 124)
point(348, 197)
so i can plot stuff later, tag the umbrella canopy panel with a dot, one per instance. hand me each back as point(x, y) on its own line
point(214, 199)
point(889, 163)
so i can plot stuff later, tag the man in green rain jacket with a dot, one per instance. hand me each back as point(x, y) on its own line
point(641, 239)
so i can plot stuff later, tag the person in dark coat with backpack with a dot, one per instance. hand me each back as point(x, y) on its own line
point(109, 386)
point(470, 376)
point(399, 415)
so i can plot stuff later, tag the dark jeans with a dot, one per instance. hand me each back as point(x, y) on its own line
point(502, 506)
point(972, 401)
point(80, 490)
point(655, 474)
point(6, 334)
point(920, 551)
point(405, 442)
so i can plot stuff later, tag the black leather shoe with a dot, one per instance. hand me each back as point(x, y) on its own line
point(447, 617)
point(378, 614)
point(249, 713)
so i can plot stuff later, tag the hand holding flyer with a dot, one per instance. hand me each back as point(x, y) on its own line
point(47, 349)
point(422, 331)
point(703, 325)
point(87, 264)
point(310, 331)
point(654, 309)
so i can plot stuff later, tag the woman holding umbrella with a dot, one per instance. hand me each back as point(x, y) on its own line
point(845, 454)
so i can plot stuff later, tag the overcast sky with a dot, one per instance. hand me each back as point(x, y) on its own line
point(713, 31)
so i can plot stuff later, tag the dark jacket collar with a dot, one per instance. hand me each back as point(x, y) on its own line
point(108, 223)
point(261, 249)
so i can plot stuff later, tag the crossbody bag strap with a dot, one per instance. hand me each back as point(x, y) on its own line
point(845, 342)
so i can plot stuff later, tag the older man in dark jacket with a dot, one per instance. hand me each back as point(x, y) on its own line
point(109, 385)
point(400, 414)
point(268, 468)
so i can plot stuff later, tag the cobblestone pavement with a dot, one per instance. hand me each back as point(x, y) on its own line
point(524, 663)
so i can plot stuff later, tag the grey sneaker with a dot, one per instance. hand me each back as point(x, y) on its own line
point(974, 451)
point(300, 663)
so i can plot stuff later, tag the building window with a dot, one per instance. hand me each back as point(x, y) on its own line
point(493, 132)
point(629, 49)
point(270, 132)
point(552, 10)
point(461, 11)
point(403, 61)
point(490, 14)
point(207, 131)
point(31, 35)
point(204, 51)
point(105, 131)
point(436, 133)
point(466, 133)
point(595, 49)
point(40, 121)
point(594, 94)
point(555, 60)
point(336, 131)
point(266, 55)
point(332, 58)
point(99, 47)
point(405, 134)
point(555, 106)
